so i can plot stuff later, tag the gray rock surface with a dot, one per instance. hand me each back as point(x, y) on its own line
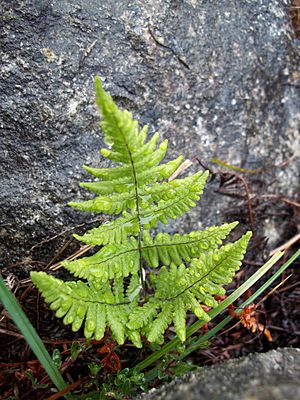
point(218, 79)
point(270, 376)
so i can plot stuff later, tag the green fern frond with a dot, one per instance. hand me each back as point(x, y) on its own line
point(120, 185)
point(116, 203)
point(151, 160)
point(135, 337)
point(134, 288)
point(181, 288)
point(119, 129)
point(193, 267)
point(180, 200)
point(177, 249)
point(156, 330)
point(116, 231)
point(142, 316)
point(113, 204)
point(216, 268)
point(114, 261)
point(79, 303)
point(116, 319)
point(125, 158)
point(179, 318)
point(121, 132)
point(144, 150)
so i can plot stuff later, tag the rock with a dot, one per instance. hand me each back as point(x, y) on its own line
point(269, 376)
point(218, 80)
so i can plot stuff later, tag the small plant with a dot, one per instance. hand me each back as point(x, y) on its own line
point(121, 385)
point(139, 283)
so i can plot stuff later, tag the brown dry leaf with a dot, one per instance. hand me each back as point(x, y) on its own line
point(250, 322)
point(266, 332)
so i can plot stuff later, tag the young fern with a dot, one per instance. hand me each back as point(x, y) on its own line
point(183, 271)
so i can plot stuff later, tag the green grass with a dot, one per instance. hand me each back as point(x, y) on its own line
point(22, 322)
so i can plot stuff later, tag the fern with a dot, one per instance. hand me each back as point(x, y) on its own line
point(138, 283)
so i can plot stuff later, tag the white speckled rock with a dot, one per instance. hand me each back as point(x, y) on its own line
point(270, 376)
point(217, 78)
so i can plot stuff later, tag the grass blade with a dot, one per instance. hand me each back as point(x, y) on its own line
point(22, 322)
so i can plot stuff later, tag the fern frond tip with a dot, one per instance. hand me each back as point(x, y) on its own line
point(98, 83)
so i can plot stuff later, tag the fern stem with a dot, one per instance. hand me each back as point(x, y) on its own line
point(137, 206)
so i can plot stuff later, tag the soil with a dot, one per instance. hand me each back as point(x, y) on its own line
point(295, 15)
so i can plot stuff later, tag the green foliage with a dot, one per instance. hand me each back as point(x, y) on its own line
point(171, 366)
point(139, 283)
point(117, 386)
point(121, 385)
point(56, 358)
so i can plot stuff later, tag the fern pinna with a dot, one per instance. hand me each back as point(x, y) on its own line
point(139, 283)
